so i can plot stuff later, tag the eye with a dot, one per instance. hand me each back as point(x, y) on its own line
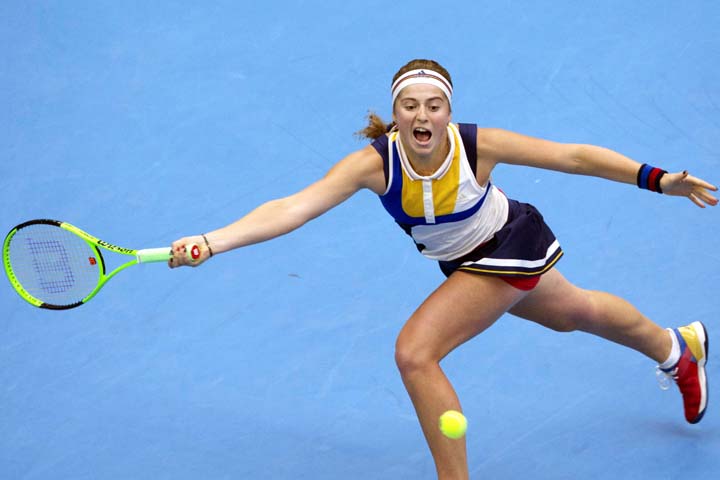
point(434, 108)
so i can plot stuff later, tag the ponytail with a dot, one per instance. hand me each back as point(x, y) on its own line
point(376, 127)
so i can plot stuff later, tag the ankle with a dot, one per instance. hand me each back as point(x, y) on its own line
point(674, 352)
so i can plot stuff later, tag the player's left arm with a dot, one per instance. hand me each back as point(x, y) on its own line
point(502, 146)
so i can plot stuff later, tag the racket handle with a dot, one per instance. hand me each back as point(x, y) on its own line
point(149, 255)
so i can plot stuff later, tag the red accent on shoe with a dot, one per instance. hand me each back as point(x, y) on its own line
point(688, 380)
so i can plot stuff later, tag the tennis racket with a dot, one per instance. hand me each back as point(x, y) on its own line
point(55, 265)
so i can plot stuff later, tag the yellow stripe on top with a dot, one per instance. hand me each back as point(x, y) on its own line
point(412, 191)
point(444, 188)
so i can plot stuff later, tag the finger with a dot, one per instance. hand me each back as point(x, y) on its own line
point(702, 183)
point(696, 201)
point(682, 176)
point(706, 197)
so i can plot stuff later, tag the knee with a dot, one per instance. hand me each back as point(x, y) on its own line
point(578, 314)
point(411, 357)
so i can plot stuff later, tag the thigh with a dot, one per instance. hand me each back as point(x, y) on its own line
point(555, 303)
point(462, 307)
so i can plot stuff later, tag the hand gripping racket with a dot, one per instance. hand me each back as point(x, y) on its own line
point(55, 265)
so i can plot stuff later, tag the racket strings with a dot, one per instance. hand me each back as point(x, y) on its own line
point(53, 265)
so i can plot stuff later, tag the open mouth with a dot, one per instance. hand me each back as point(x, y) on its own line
point(422, 135)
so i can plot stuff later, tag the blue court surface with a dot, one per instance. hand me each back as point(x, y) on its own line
point(141, 122)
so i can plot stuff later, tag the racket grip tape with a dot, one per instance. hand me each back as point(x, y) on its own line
point(151, 255)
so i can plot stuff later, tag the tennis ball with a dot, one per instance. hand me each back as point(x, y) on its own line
point(193, 252)
point(453, 424)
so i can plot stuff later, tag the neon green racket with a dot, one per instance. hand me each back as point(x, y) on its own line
point(55, 265)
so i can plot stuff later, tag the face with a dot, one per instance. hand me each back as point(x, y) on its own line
point(422, 114)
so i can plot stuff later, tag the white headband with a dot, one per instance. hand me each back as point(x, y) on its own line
point(429, 77)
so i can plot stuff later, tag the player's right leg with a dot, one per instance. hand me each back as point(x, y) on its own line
point(462, 307)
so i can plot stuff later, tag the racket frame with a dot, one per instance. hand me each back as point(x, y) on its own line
point(148, 255)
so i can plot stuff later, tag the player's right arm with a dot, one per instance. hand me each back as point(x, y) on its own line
point(361, 169)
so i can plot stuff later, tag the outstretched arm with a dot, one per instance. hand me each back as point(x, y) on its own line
point(501, 146)
point(362, 169)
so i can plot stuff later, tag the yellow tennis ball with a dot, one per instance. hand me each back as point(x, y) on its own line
point(453, 424)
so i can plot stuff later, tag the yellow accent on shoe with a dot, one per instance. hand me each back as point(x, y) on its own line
point(690, 334)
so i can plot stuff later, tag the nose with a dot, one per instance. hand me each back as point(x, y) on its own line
point(422, 113)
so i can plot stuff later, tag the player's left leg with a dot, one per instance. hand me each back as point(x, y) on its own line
point(560, 305)
point(691, 346)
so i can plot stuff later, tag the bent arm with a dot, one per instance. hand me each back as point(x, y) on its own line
point(501, 146)
point(362, 169)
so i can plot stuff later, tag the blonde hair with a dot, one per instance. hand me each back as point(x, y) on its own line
point(376, 126)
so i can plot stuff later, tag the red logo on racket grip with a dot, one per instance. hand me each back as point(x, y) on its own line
point(92, 260)
point(195, 252)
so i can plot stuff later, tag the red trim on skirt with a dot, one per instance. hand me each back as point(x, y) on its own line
point(522, 283)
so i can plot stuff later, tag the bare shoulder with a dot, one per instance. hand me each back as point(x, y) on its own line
point(365, 167)
point(489, 152)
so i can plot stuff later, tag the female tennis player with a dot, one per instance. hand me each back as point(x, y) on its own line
point(434, 178)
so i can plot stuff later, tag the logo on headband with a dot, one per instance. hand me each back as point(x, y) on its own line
point(422, 76)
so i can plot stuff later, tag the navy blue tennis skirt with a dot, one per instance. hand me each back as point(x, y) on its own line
point(524, 247)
